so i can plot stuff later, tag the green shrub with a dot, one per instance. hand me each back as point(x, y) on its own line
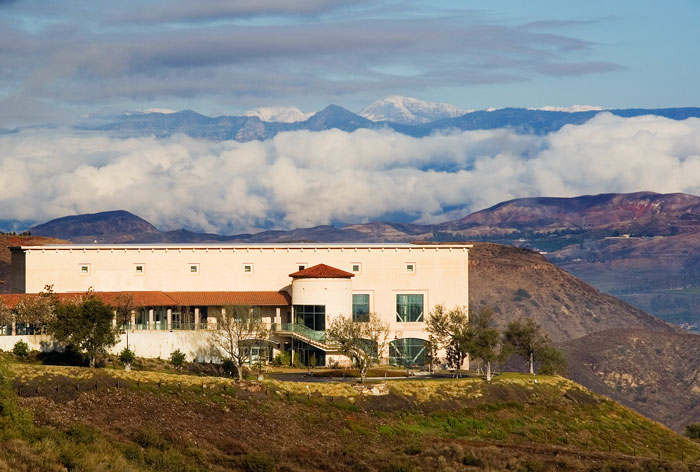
point(472, 461)
point(21, 349)
point(282, 358)
point(258, 462)
point(177, 358)
point(81, 434)
point(693, 430)
point(148, 437)
point(127, 356)
point(397, 467)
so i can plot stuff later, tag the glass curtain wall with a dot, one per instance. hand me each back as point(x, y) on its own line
point(311, 316)
point(408, 351)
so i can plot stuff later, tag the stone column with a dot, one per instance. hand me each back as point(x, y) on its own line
point(150, 318)
point(114, 318)
point(196, 319)
point(14, 328)
point(170, 318)
point(278, 315)
point(133, 319)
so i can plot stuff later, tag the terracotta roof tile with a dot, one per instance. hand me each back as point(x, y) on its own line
point(321, 271)
point(261, 298)
point(156, 299)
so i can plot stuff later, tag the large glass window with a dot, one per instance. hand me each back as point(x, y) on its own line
point(408, 351)
point(409, 307)
point(311, 316)
point(360, 307)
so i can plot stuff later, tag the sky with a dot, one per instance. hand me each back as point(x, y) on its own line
point(62, 60)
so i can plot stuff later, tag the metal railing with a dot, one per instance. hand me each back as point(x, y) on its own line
point(301, 330)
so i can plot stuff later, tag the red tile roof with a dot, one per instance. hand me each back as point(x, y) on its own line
point(156, 299)
point(268, 298)
point(321, 271)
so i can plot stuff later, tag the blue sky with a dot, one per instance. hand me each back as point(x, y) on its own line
point(61, 59)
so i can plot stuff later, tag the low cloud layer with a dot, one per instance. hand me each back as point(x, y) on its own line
point(305, 178)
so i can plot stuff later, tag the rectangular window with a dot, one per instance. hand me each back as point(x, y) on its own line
point(357, 268)
point(302, 265)
point(194, 269)
point(409, 308)
point(140, 269)
point(247, 268)
point(411, 267)
point(84, 269)
point(311, 316)
point(360, 307)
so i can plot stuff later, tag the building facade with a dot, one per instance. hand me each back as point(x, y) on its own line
point(296, 288)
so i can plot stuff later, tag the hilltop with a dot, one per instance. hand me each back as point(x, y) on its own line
point(179, 422)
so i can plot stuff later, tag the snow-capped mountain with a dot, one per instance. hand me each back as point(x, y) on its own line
point(278, 114)
point(571, 109)
point(409, 111)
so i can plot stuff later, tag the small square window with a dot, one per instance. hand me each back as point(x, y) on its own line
point(357, 268)
point(85, 269)
point(194, 268)
point(140, 269)
point(301, 265)
point(248, 268)
point(410, 268)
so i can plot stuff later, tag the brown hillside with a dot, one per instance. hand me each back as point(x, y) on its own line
point(522, 283)
point(657, 374)
point(6, 242)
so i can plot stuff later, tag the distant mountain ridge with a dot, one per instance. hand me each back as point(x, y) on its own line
point(409, 111)
point(249, 128)
point(643, 247)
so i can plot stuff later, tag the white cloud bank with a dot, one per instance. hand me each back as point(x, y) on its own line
point(308, 178)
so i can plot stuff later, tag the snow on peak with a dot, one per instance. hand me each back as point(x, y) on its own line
point(278, 114)
point(571, 109)
point(164, 111)
point(408, 110)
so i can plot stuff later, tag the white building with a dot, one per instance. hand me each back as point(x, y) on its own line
point(296, 287)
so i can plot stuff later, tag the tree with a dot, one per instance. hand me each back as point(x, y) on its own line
point(362, 341)
point(484, 338)
point(236, 328)
point(86, 324)
point(551, 361)
point(127, 356)
point(123, 308)
point(6, 315)
point(38, 310)
point(450, 329)
point(525, 339)
point(178, 358)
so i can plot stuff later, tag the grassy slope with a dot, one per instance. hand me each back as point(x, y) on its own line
point(198, 423)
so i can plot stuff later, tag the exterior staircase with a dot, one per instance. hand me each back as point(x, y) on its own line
point(303, 333)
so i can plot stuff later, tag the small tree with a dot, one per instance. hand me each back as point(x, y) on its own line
point(526, 339)
point(127, 356)
point(178, 358)
point(124, 306)
point(362, 341)
point(86, 324)
point(484, 339)
point(38, 310)
point(551, 361)
point(450, 329)
point(692, 430)
point(20, 349)
point(236, 327)
point(6, 315)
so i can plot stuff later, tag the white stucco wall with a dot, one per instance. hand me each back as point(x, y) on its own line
point(439, 272)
